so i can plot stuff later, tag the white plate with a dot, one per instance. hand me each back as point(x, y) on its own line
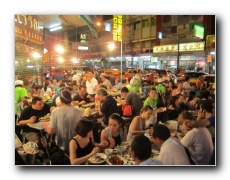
point(95, 160)
point(121, 158)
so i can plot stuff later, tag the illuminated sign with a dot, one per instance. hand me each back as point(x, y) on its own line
point(198, 31)
point(209, 58)
point(83, 36)
point(108, 27)
point(28, 27)
point(117, 27)
point(196, 46)
point(82, 47)
point(160, 35)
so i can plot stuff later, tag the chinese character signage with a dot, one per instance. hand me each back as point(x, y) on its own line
point(117, 27)
point(196, 46)
point(28, 27)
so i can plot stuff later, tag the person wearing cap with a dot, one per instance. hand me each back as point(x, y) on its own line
point(107, 103)
point(132, 86)
point(63, 121)
point(20, 94)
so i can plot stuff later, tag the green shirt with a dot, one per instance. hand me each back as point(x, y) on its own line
point(160, 88)
point(133, 88)
point(19, 93)
point(150, 102)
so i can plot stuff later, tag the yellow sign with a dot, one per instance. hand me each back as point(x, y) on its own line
point(209, 58)
point(27, 27)
point(117, 27)
point(196, 46)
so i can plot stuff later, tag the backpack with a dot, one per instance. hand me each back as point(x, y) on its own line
point(127, 110)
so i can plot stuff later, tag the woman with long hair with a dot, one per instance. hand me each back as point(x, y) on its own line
point(138, 124)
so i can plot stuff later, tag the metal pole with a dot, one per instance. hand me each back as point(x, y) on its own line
point(178, 52)
point(121, 61)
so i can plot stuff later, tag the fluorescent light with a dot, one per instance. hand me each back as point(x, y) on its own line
point(29, 66)
point(56, 28)
point(82, 47)
point(212, 53)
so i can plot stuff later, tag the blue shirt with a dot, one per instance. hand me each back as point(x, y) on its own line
point(151, 161)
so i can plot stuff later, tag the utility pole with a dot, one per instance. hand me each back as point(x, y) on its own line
point(178, 52)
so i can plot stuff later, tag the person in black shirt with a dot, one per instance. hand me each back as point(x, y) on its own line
point(107, 103)
point(31, 114)
point(82, 97)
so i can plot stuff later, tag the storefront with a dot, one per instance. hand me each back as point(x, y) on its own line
point(28, 49)
point(191, 56)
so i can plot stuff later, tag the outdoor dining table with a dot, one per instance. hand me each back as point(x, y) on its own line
point(123, 153)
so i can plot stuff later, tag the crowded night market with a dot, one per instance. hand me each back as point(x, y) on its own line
point(115, 90)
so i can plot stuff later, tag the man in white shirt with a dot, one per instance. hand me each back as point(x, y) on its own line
point(91, 84)
point(198, 140)
point(172, 152)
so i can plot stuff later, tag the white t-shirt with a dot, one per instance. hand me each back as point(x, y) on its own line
point(199, 143)
point(172, 152)
point(186, 85)
point(91, 86)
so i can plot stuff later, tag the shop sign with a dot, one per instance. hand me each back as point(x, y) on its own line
point(209, 58)
point(46, 58)
point(199, 31)
point(117, 27)
point(196, 46)
point(210, 41)
point(27, 27)
point(90, 56)
point(108, 27)
point(83, 36)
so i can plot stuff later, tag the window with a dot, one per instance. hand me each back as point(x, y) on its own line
point(145, 23)
point(153, 21)
point(137, 25)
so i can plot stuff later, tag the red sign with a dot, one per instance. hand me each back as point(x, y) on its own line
point(90, 56)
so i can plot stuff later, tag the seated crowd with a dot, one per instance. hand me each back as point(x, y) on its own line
point(163, 101)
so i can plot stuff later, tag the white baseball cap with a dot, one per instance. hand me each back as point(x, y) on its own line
point(18, 82)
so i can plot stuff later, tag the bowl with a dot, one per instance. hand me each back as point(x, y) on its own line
point(108, 151)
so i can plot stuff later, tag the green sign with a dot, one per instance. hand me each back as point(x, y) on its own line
point(198, 31)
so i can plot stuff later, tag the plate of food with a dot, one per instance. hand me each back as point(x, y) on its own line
point(44, 118)
point(98, 158)
point(116, 160)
